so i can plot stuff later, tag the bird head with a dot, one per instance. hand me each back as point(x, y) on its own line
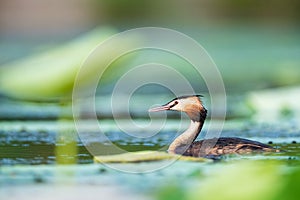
point(191, 105)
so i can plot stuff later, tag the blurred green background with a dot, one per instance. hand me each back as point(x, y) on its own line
point(255, 45)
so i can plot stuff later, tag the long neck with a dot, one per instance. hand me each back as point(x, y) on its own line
point(182, 142)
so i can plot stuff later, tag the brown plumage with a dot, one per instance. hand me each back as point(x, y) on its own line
point(185, 145)
point(226, 145)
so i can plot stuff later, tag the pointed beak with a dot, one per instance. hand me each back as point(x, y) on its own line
point(159, 108)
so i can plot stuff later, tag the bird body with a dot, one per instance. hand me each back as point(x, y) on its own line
point(226, 145)
point(185, 144)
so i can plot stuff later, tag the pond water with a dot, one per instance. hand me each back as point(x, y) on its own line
point(36, 142)
point(34, 138)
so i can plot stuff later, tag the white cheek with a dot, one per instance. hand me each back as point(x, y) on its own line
point(177, 107)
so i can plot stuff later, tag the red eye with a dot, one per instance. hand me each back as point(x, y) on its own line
point(174, 104)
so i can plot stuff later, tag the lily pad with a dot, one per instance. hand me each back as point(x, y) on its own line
point(145, 156)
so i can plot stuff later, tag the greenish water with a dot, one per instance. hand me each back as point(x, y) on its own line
point(35, 143)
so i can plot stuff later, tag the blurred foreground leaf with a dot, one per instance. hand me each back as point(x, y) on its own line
point(266, 180)
point(51, 75)
point(143, 156)
point(244, 180)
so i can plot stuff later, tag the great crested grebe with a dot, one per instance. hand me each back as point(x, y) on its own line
point(185, 145)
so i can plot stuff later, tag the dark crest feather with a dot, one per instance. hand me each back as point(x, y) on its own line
point(185, 96)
